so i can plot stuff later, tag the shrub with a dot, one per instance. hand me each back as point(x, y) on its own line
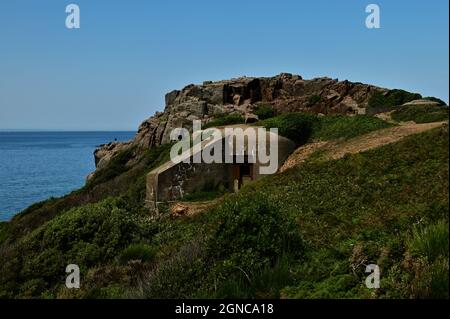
point(250, 231)
point(435, 99)
point(88, 236)
point(314, 99)
point(115, 167)
point(225, 119)
point(266, 282)
point(142, 252)
point(264, 111)
point(430, 242)
point(177, 276)
point(391, 98)
point(296, 126)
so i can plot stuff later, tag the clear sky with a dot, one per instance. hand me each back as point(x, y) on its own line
point(113, 72)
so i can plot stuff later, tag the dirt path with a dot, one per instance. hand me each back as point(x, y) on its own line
point(338, 149)
point(189, 209)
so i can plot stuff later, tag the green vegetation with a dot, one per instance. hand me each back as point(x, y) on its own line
point(199, 196)
point(116, 167)
point(264, 110)
point(304, 233)
point(435, 99)
point(314, 99)
point(90, 236)
point(290, 235)
point(225, 119)
point(137, 252)
point(296, 126)
point(301, 127)
point(392, 98)
point(420, 113)
point(209, 191)
point(340, 126)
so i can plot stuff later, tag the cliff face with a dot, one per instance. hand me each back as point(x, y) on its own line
point(285, 92)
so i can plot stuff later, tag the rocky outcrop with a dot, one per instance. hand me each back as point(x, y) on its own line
point(285, 92)
point(105, 152)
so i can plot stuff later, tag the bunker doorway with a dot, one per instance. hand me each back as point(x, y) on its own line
point(242, 174)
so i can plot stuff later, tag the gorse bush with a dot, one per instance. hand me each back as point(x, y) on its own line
point(391, 98)
point(225, 119)
point(296, 126)
point(141, 252)
point(251, 231)
point(264, 111)
point(87, 236)
point(435, 99)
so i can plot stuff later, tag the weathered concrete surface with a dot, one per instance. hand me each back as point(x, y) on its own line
point(171, 181)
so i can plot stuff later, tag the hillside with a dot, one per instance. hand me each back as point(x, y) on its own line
point(306, 232)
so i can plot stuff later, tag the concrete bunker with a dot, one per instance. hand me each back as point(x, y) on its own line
point(172, 181)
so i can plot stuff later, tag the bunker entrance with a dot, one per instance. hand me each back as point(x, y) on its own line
point(242, 174)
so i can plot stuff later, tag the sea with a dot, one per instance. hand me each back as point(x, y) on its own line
point(35, 166)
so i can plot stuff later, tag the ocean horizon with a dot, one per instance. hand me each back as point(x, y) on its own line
point(36, 165)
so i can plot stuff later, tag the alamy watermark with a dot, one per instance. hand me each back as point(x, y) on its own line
point(373, 279)
point(373, 20)
point(241, 145)
point(73, 17)
point(73, 279)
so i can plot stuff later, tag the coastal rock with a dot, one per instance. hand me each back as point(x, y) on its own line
point(105, 152)
point(285, 92)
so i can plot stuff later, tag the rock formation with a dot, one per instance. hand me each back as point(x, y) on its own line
point(285, 92)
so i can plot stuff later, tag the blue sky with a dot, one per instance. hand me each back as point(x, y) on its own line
point(113, 72)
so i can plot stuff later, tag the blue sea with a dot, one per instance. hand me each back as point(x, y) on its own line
point(35, 166)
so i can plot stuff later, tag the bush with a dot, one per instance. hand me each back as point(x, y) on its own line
point(115, 167)
point(250, 232)
point(266, 282)
point(296, 126)
point(314, 99)
point(88, 236)
point(391, 98)
point(430, 242)
point(420, 113)
point(177, 276)
point(435, 99)
point(142, 252)
point(202, 196)
point(264, 111)
point(225, 119)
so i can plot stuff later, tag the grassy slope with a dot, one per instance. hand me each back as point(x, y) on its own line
point(302, 233)
point(420, 113)
point(309, 232)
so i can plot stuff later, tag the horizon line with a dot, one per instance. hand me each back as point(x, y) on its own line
point(61, 130)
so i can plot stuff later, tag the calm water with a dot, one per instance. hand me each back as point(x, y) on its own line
point(37, 165)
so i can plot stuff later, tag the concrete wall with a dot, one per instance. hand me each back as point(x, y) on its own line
point(172, 182)
point(184, 178)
